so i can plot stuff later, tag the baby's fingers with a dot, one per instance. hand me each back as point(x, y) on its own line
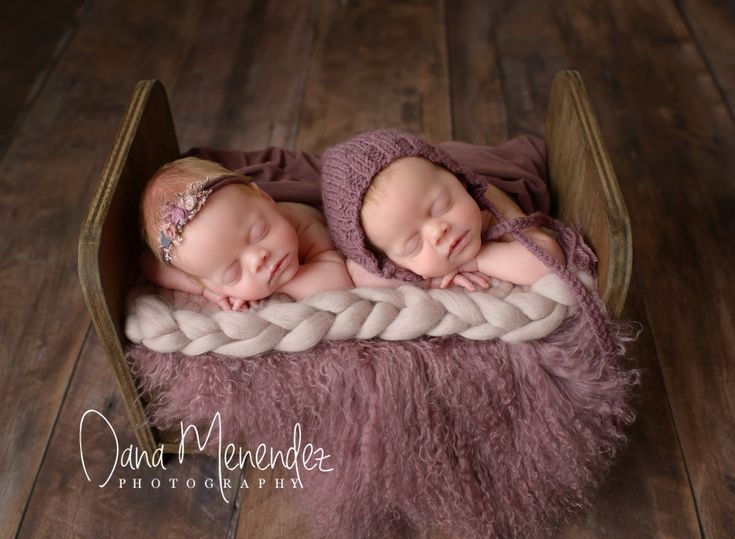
point(237, 304)
point(447, 279)
point(478, 278)
point(463, 281)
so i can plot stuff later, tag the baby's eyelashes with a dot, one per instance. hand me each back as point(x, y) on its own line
point(233, 275)
point(411, 245)
point(258, 231)
point(440, 206)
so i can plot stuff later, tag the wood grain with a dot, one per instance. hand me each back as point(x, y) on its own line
point(711, 23)
point(66, 504)
point(677, 150)
point(375, 65)
point(478, 108)
point(272, 512)
point(31, 41)
point(584, 188)
point(109, 242)
point(242, 83)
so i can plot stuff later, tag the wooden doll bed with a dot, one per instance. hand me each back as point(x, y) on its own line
point(583, 184)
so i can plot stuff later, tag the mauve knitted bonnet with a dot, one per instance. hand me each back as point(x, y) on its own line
point(347, 170)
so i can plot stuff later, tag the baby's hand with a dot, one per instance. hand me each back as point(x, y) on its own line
point(465, 279)
point(238, 304)
point(229, 303)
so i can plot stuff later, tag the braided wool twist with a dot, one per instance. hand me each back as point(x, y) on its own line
point(506, 312)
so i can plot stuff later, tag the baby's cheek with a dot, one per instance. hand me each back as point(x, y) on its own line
point(432, 266)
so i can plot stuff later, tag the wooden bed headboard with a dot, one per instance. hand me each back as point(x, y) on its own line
point(584, 187)
point(109, 241)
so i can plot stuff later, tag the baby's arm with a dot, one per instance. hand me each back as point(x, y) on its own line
point(167, 276)
point(508, 259)
point(511, 261)
point(324, 267)
point(175, 279)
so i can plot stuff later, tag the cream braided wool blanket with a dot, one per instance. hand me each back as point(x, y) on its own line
point(173, 321)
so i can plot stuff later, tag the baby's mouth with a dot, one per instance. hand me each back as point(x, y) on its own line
point(457, 245)
point(277, 268)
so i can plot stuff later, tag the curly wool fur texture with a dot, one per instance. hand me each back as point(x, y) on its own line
point(472, 438)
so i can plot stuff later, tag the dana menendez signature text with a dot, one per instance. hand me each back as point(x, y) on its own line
point(230, 457)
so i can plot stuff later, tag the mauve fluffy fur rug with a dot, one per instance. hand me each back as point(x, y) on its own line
point(479, 439)
point(475, 439)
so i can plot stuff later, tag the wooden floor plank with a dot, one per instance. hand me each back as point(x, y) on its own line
point(374, 65)
point(31, 40)
point(242, 83)
point(712, 23)
point(672, 143)
point(47, 176)
point(66, 504)
point(272, 512)
point(478, 107)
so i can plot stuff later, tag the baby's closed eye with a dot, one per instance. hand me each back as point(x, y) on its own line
point(232, 275)
point(258, 231)
point(441, 205)
point(411, 246)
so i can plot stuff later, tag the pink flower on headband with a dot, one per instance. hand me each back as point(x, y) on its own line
point(188, 202)
point(179, 216)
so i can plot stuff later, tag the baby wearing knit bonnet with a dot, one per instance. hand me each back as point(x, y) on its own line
point(400, 208)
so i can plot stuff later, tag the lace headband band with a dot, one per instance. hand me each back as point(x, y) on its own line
point(175, 215)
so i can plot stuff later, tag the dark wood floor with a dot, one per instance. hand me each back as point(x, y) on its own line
point(245, 74)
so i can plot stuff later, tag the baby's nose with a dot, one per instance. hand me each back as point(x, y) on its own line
point(258, 260)
point(438, 232)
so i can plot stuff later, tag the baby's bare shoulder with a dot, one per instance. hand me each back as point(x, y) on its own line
point(300, 215)
point(311, 229)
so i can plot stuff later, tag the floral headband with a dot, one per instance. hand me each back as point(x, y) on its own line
point(175, 215)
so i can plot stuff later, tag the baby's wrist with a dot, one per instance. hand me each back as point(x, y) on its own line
point(470, 265)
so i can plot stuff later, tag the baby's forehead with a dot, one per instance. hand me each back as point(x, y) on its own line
point(235, 201)
point(413, 174)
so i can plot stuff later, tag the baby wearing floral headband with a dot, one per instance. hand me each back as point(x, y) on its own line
point(402, 208)
point(215, 233)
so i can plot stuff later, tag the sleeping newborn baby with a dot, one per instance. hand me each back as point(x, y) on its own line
point(399, 207)
point(215, 233)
